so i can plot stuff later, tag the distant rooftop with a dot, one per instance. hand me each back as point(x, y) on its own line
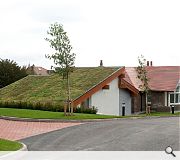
point(162, 78)
point(35, 70)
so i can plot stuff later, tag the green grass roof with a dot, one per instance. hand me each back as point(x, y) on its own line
point(52, 88)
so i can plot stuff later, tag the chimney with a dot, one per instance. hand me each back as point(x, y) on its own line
point(151, 63)
point(101, 63)
point(147, 63)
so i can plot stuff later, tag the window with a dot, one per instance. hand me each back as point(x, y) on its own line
point(106, 87)
point(175, 96)
point(178, 89)
point(171, 97)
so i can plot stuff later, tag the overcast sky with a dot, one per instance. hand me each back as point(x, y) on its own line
point(116, 31)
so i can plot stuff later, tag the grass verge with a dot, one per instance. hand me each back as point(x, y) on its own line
point(164, 114)
point(37, 114)
point(6, 145)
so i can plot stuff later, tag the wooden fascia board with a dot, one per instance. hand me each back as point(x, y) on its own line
point(127, 85)
point(98, 86)
point(106, 86)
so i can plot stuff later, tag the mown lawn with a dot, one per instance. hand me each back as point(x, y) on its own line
point(6, 145)
point(37, 114)
point(161, 114)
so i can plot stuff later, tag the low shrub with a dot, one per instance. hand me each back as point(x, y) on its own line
point(46, 106)
point(82, 109)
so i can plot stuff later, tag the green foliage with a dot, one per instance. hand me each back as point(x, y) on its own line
point(82, 109)
point(10, 72)
point(36, 114)
point(142, 74)
point(162, 114)
point(63, 58)
point(46, 106)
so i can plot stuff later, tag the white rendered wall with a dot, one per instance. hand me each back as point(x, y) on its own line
point(107, 100)
point(124, 97)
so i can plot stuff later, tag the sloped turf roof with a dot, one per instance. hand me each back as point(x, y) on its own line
point(52, 88)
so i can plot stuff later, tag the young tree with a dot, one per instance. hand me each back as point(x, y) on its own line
point(142, 76)
point(63, 58)
point(10, 72)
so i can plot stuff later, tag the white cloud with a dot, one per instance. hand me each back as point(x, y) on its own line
point(116, 31)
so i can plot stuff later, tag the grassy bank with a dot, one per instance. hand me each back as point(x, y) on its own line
point(6, 145)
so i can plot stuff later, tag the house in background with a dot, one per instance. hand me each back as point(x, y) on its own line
point(164, 84)
point(40, 71)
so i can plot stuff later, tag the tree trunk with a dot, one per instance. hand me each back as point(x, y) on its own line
point(65, 109)
point(68, 93)
point(141, 101)
point(146, 104)
point(72, 108)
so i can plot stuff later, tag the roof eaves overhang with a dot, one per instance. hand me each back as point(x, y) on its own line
point(98, 86)
point(130, 87)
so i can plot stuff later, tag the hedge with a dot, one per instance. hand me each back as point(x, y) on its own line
point(46, 106)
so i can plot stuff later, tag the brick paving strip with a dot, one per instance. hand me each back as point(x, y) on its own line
point(16, 130)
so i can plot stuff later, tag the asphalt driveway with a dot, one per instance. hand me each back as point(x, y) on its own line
point(150, 134)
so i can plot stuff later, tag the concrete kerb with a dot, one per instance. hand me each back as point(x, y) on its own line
point(11, 153)
point(55, 120)
point(24, 147)
point(78, 121)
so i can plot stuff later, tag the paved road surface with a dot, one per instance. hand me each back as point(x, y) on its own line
point(15, 130)
point(151, 134)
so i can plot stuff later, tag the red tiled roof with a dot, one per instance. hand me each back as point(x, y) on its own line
point(162, 78)
point(40, 71)
point(130, 77)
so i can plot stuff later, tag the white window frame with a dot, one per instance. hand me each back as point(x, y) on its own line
point(175, 93)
